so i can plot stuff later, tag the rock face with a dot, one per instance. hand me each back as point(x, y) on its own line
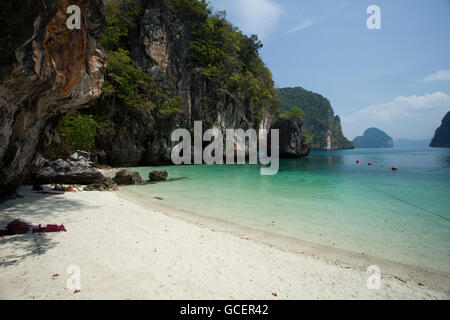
point(125, 177)
point(46, 70)
point(162, 49)
point(374, 138)
point(319, 119)
point(292, 140)
point(442, 136)
point(77, 170)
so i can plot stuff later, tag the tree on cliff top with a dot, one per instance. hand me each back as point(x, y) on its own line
point(222, 52)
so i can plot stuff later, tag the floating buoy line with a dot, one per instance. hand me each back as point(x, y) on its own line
point(411, 204)
point(401, 200)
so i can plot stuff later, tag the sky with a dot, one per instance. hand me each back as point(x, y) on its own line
point(396, 78)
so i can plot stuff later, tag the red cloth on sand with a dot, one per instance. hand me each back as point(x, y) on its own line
point(49, 228)
point(20, 227)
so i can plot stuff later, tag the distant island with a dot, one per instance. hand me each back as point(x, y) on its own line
point(373, 138)
point(320, 122)
point(442, 136)
point(408, 143)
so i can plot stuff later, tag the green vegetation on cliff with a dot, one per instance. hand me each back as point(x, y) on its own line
point(222, 52)
point(125, 83)
point(318, 116)
point(229, 58)
point(76, 132)
point(220, 57)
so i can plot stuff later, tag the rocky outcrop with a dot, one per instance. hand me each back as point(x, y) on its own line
point(157, 176)
point(125, 177)
point(374, 138)
point(442, 136)
point(319, 119)
point(107, 184)
point(46, 70)
point(292, 138)
point(162, 49)
point(77, 169)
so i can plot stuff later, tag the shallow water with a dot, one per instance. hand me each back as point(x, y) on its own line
point(328, 199)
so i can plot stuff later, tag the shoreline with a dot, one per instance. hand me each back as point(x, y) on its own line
point(289, 244)
point(128, 250)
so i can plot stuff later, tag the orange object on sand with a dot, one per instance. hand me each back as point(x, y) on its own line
point(370, 163)
point(394, 168)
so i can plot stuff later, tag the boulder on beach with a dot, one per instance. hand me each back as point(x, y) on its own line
point(157, 176)
point(81, 156)
point(106, 184)
point(76, 170)
point(125, 177)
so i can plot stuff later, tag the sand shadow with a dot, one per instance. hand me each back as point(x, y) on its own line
point(25, 245)
point(33, 208)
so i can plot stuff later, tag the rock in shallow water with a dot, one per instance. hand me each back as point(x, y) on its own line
point(292, 138)
point(125, 177)
point(157, 176)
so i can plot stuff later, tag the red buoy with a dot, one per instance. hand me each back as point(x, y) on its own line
point(394, 168)
point(370, 163)
point(357, 161)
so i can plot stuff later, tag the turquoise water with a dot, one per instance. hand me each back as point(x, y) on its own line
point(328, 199)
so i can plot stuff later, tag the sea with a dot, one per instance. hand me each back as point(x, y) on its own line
point(329, 199)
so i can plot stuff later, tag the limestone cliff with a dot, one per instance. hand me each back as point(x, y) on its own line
point(46, 70)
point(293, 142)
point(163, 47)
point(319, 118)
point(442, 136)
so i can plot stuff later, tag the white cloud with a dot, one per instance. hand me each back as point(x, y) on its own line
point(303, 25)
point(439, 75)
point(258, 17)
point(327, 10)
point(405, 117)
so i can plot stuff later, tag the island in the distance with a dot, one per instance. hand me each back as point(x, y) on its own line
point(373, 138)
point(409, 143)
point(442, 136)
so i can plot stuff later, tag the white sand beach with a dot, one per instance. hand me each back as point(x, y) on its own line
point(128, 251)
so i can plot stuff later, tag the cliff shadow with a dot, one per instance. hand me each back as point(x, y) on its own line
point(33, 208)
